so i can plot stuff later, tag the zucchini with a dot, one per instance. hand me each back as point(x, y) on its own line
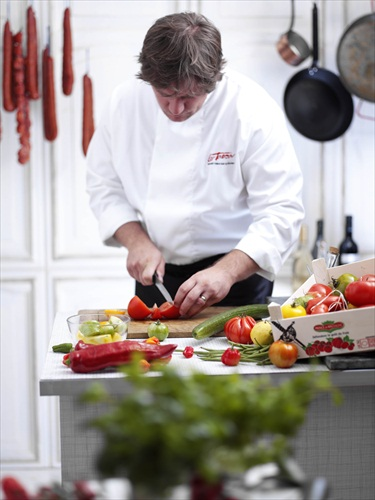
point(214, 325)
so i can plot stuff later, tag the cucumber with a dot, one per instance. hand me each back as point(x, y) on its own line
point(214, 325)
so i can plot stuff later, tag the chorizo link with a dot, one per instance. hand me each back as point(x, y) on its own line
point(22, 103)
point(49, 105)
point(67, 70)
point(32, 56)
point(8, 98)
point(88, 126)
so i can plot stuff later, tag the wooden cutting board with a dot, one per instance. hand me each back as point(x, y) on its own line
point(178, 328)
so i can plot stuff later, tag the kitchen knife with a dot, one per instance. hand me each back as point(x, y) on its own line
point(161, 288)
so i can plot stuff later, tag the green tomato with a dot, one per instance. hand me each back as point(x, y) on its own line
point(158, 330)
point(343, 281)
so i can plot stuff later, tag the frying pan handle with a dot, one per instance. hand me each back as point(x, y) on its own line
point(292, 16)
point(315, 36)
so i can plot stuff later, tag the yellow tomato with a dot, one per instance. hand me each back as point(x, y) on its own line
point(292, 311)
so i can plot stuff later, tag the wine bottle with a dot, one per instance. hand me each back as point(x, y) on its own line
point(348, 247)
point(319, 249)
point(301, 260)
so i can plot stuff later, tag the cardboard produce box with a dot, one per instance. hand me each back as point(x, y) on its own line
point(341, 332)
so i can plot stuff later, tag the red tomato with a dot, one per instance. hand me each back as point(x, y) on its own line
point(320, 290)
point(155, 313)
point(169, 310)
point(332, 302)
point(283, 354)
point(312, 303)
point(238, 329)
point(137, 309)
point(319, 309)
point(367, 277)
point(361, 293)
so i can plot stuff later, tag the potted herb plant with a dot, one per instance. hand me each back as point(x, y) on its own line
point(173, 429)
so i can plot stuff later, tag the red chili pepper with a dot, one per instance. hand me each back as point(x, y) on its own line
point(231, 357)
point(114, 354)
point(13, 489)
point(188, 351)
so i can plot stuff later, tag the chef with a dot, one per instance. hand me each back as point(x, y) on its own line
point(192, 170)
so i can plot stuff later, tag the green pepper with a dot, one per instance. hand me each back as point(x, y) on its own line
point(64, 348)
point(158, 330)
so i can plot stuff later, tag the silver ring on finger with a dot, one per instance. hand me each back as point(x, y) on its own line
point(202, 297)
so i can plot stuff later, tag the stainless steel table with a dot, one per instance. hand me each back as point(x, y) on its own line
point(335, 442)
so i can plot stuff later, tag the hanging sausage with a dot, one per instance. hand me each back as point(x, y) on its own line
point(88, 126)
point(8, 97)
point(49, 104)
point(31, 56)
point(22, 103)
point(67, 69)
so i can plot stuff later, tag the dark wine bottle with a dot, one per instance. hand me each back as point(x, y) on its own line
point(348, 247)
point(320, 246)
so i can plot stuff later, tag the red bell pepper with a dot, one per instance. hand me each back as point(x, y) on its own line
point(231, 357)
point(114, 354)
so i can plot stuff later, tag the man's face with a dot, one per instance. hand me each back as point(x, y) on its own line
point(179, 106)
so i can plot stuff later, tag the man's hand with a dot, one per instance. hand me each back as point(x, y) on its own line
point(144, 258)
point(211, 285)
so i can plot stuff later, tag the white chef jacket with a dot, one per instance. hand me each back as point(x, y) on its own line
point(226, 178)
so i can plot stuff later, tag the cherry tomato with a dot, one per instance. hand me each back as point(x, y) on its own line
point(292, 311)
point(238, 329)
point(333, 303)
point(283, 354)
point(169, 310)
point(320, 290)
point(361, 293)
point(343, 281)
point(319, 309)
point(137, 309)
point(367, 277)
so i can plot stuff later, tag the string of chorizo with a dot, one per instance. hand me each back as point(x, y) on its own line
point(22, 103)
point(32, 56)
point(67, 70)
point(88, 126)
point(49, 105)
point(8, 97)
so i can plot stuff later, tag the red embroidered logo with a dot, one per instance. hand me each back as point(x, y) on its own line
point(215, 157)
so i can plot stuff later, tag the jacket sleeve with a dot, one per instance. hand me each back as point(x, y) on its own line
point(106, 194)
point(273, 181)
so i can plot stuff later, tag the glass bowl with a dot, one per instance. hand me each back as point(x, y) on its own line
point(98, 328)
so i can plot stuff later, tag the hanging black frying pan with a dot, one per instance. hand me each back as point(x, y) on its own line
point(316, 102)
point(356, 57)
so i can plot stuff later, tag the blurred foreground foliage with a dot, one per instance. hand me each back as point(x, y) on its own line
point(171, 427)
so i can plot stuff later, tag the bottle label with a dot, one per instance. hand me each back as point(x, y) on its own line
point(348, 258)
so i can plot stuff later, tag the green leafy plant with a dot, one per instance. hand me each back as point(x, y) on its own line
point(171, 427)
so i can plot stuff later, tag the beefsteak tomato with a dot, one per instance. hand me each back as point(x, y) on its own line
point(238, 329)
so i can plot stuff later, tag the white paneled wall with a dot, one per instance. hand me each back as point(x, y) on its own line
point(52, 258)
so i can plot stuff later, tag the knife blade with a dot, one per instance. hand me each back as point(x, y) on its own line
point(161, 288)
